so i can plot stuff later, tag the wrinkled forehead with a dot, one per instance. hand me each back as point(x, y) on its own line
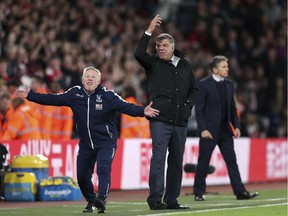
point(165, 36)
point(163, 41)
point(89, 72)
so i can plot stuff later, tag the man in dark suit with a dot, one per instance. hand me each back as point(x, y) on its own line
point(215, 110)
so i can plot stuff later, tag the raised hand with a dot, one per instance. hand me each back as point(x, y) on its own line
point(157, 20)
point(149, 111)
point(22, 93)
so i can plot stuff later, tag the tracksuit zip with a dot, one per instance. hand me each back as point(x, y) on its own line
point(88, 111)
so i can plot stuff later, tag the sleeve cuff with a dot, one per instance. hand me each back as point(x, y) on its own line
point(147, 33)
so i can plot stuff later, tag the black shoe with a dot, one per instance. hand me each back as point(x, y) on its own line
point(158, 206)
point(199, 198)
point(89, 208)
point(246, 195)
point(177, 206)
point(100, 205)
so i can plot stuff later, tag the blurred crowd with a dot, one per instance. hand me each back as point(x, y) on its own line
point(53, 40)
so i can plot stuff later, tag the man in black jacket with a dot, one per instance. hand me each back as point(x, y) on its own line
point(173, 90)
point(94, 108)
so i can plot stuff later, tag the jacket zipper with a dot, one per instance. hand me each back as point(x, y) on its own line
point(88, 111)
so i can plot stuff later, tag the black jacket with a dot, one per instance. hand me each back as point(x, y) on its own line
point(208, 107)
point(172, 89)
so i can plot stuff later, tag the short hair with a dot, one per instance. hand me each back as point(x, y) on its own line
point(216, 60)
point(91, 68)
point(16, 102)
point(129, 91)
point(38, 78)
point(5, 96)
point(165, 36)
point(13, 83)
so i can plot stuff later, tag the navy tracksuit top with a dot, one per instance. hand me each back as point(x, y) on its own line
point(94, 114)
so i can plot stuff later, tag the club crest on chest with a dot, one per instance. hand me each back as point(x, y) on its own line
point(99, 105)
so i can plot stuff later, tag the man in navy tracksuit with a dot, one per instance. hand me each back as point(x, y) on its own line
point(94, 109)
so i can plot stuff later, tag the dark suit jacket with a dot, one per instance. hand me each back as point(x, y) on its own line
point(208, 107)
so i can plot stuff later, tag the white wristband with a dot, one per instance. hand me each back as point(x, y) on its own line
point(147, 33)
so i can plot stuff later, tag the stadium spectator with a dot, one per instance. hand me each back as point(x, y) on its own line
point(132, 127)
point(43, 113)
point(23, 124)
point(6, 110)
point(62, 117)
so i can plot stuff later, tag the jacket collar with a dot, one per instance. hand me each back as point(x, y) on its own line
point(217, 79)
point(98, 89)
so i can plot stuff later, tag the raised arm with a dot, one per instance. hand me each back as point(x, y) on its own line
point(156, 21)
point(141, 54)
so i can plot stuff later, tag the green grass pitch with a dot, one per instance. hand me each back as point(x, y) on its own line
point(269, 202)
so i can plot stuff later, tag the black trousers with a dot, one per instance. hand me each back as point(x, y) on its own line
point(226, 146)
point(86, 160)
point(165, 137)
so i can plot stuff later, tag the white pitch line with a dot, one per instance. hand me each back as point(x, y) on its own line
point(208, 204)
point(128, 203)
point(210, 210)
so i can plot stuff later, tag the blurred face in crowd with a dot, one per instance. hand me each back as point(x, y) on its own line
point(35, 84)
point(164, 49)
point(91, 79)
point(5, 104)
point(221, 69)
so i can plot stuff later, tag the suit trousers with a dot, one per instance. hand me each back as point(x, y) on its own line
point(226, 146)
point(165, 137)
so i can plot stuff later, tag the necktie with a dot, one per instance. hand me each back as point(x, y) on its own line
point(170, 62)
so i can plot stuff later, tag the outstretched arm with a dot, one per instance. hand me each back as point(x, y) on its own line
point(62, 99)
point(22, 93)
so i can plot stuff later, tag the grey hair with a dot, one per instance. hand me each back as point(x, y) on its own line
point(166, 36)
point(216, 60)
point(91, 68)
